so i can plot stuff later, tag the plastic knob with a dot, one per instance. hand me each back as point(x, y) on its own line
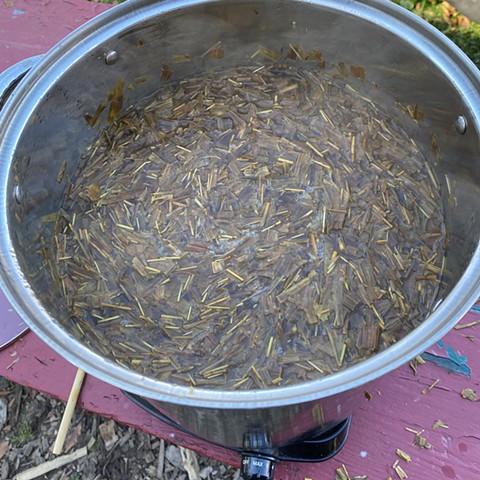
point(255, 467)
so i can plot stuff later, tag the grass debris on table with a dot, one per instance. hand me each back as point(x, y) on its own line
point(469, 394)
point(403, 455)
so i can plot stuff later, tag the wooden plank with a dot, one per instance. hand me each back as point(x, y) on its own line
point(29, 28)
point(47, 467)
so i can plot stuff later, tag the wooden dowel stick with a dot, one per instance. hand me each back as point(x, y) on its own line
point(46, 467)
point(68, 413)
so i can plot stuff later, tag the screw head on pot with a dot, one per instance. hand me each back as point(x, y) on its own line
point(18, 193)
point(111, 57)
point(461, 124)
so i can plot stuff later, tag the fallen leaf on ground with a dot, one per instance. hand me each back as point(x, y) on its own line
point(73, 438)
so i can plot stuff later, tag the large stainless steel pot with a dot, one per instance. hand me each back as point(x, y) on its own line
point(43, 124)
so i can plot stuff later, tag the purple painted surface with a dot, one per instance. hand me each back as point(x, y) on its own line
point(11, 325)
point(378, 428)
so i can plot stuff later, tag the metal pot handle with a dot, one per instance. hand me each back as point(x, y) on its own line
point(13, 75)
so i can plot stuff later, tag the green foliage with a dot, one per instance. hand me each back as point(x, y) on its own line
point(464, 34)
point(468, 39)
point(23, 434)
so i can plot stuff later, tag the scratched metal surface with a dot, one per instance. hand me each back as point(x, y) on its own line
point(30, 27)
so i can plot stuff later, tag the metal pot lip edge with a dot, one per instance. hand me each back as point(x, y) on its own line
point(21, 296)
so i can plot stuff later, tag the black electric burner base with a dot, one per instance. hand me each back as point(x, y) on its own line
point(319, 447)
point(258, 459)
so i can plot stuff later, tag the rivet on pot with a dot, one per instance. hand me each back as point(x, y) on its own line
point(461, 124)
point(111, 57)
point(18, 193)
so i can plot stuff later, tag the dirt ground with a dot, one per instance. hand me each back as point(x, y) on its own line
point(28, 427)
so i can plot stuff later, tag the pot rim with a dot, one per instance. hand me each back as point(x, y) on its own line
point(16, 114)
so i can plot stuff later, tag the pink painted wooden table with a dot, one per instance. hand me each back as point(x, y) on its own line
point(30, 27)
